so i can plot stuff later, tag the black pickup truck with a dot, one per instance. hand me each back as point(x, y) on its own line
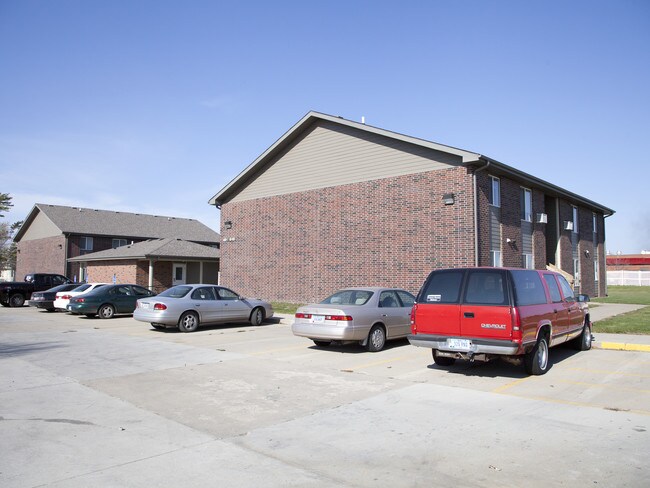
point(15, 293)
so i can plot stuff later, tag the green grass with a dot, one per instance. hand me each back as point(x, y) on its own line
point(282, 307)
point(637, 322)
point(639, 295)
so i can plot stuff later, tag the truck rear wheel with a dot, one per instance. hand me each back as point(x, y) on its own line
point(441, 360)
point(16, 300)
point(536, 361)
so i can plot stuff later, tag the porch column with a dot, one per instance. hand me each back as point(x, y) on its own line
point(151, 274)
point(201, 271)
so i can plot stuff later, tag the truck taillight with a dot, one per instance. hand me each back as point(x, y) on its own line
point(160, 306)
point(516, 320)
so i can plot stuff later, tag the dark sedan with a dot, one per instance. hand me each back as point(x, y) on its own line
point(45, 299)
point(108, 300)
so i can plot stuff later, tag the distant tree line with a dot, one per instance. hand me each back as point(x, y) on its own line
point(7, 232)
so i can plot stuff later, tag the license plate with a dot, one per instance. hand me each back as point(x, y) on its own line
point(318, 319)
point(145, 305)
point(458, 344)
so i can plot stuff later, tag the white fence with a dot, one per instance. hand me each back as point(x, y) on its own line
point(633, 278)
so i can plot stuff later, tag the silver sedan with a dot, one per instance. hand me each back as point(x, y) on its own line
point(188, 306)
point(368, 316)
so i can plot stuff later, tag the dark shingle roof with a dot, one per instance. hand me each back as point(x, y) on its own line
point(155, 248)
point(78, 220)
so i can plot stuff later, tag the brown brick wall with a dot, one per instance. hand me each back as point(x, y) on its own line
point(303, 246)
point(103, 271)
point(41, 256)
point(136, 272)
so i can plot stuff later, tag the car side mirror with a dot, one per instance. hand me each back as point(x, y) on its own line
point(583, 298)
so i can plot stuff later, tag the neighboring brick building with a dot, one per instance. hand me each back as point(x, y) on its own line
point(336, 203)
point(53, 234)
point(156, 264)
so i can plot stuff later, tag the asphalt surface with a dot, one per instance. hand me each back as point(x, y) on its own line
point(115, 403)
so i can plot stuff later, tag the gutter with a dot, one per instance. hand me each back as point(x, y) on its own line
point(482, 168)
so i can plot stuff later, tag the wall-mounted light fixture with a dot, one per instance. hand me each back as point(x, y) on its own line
point(448, 199)
point(587, 253)
point(227, 224)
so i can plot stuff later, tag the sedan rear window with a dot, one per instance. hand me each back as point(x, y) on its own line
point(176, 291)
point(349, 297)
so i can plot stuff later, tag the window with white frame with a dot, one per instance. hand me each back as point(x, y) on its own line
point(495, 191)
point(86, 243)
point(594, 219)
point(575, 219)
point(526, 205)
point(596, 270)
point(495, 259)
point(527, 261)
point(118, 243)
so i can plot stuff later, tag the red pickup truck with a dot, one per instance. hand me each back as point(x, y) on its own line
point(478, 314)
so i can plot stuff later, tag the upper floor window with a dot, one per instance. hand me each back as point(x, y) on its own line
point(86, 243)
point(526, 205)
point(575, 219)
point(118, 243)
point(495, 191)
point(594, 220)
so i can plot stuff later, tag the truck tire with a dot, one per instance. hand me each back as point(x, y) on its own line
point(536, 361)
point(583, 341)
point(16, 300)
point(441, 360)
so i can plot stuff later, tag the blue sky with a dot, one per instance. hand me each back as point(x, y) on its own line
point(153, 106)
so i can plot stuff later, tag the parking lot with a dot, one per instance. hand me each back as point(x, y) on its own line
point(116, 403)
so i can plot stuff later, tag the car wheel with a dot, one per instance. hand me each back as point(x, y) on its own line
point(536, 361)
point(376, 339)
point(188, 322)
point(16, 300)
point(441, 360)
point(106, 312)
point(583, 341)
point(3, 303)
point(257, 316)
point(322, 343)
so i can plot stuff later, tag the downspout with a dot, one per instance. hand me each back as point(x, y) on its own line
point(151, 274)
point(605, 250)
point(484, 167)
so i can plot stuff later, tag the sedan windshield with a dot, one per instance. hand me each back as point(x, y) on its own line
point(176, 291)
point(349, 297)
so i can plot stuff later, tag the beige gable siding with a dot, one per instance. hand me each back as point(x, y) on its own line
point(329, 154)
point(40, 228)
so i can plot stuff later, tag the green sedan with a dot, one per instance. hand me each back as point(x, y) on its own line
point(108, 300)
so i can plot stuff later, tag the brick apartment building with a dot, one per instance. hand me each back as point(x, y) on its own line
point(336, 203)
point(69, 240)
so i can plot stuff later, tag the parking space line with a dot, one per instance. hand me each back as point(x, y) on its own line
point(607, 371)
point(577, 404)
point(507, 386)
point(601, 385)
point(280, 349)
point(377, 363)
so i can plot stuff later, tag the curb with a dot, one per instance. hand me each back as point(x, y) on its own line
point(622, 346)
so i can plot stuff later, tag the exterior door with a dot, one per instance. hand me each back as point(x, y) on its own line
point(179, 274)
